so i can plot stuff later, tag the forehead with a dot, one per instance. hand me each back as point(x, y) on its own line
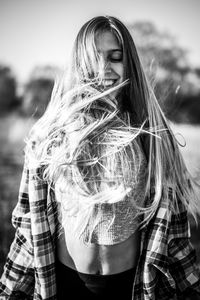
point(107, 41)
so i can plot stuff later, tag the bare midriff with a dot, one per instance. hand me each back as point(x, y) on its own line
point(98, 259)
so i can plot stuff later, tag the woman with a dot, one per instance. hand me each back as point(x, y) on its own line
point(104, 197)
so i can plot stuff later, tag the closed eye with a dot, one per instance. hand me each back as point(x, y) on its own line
point(116, 56)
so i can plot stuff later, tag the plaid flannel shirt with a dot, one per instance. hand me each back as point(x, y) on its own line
point(166, 268)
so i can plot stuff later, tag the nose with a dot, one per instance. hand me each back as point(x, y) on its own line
point(105, 66)
point(108, 67)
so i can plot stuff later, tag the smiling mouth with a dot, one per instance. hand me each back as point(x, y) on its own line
point(108, 83)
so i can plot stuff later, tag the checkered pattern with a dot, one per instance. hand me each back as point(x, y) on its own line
point(166, 268)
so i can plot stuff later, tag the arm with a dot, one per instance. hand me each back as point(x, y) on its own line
point(17, 281)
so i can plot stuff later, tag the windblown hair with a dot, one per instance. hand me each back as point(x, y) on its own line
point(85, 138)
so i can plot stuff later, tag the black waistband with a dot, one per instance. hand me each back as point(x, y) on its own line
point(115, 275)
point(98, 284)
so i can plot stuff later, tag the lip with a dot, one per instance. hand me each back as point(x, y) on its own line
point(108, 83)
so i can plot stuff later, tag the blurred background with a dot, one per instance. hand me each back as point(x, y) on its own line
point(36, 42)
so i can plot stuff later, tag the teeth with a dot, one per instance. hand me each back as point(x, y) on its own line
point(108, 82)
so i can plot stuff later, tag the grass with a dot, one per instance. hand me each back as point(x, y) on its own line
point(190, 136)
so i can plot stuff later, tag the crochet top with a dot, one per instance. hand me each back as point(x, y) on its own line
point(109, 223)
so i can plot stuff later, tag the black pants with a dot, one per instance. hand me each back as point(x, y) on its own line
point(73, 285)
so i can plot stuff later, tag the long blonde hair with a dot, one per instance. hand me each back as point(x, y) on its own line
point(60, 134)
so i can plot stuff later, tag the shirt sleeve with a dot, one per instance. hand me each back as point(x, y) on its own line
point(17, 281)
point(182, 256)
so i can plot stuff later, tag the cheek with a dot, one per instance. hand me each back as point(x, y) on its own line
point(119, 69)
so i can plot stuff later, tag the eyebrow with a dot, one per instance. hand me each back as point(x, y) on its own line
point(115, 50)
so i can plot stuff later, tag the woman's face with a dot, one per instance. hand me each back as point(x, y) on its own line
point(111, 56)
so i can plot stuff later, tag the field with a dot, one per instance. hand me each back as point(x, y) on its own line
point(12, 132)
point(190, 136)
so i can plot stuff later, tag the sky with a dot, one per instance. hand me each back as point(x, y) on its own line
point(42, 32)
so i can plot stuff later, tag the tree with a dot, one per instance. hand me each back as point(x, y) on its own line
point(8, 98)
point(37, 92)
point(168, 69)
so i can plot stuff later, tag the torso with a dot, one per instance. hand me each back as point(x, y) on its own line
point(113, 245)
point(98, 259)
